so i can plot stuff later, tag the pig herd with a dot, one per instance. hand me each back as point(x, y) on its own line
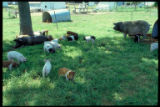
point(131, 28)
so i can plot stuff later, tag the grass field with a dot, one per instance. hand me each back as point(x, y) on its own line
point(112, 72)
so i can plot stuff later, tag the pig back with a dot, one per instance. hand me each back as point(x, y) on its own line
point(136, 27)
point(39, 39)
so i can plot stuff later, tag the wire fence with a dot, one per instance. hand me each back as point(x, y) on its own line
point(74, 8)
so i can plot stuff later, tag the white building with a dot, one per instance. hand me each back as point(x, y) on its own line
point(91, 3)
point(105, 6)
point(149, 3)
point(52, 5)
point(45, 6)
point(14, 3)
point(35, 5)
point(5, 4)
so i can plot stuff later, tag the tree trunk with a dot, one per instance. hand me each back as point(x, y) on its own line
point(135, 4)
point(25, 19)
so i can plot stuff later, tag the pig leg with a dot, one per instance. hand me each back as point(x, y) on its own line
point(9, 58)
point(19, 60)
point(10, 67)
point(47, 33)
point(125, 35)
point(44, 49)
point(92, 41)
point(138, 38)
point(47, 73)
point(43, 73)
point(16, 46)
point(144, 36)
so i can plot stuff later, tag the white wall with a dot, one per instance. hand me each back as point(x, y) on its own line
point(149, 3)
point(111, 4)
point(35, 5)
point(53, 5)
point(91, 3)
point(105, 5)
point(5, 4)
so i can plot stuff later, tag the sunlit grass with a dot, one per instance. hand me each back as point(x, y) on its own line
point(113, 71)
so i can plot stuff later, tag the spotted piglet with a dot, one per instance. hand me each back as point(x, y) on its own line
point(47, 68)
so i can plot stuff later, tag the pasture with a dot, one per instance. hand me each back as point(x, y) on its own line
point(113, 71)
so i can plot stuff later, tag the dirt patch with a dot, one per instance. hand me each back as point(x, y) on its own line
point(106, 102)
point(36, 14)
point(99, 12)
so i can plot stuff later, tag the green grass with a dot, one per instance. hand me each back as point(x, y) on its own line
point(113, 72)
point(129, 9)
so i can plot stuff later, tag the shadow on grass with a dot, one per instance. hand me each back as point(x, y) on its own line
point(100, 69)
point(7, 45)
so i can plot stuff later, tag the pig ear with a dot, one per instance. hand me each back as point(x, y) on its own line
point(72, 73)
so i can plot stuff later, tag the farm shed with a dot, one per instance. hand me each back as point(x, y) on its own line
point(56, 16)
point(105, 6)
point(45, 6)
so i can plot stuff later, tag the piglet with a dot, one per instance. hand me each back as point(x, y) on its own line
point(55, 45)
point(47, 68)
point(55, 40)
point(10, 64)
point(48, 47)
point(90, 38)
point(73, 34)
point(16, 55)
point(153, 46)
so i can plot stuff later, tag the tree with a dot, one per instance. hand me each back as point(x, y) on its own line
point(135, 4)
point(155, 4)
point(25, 19)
